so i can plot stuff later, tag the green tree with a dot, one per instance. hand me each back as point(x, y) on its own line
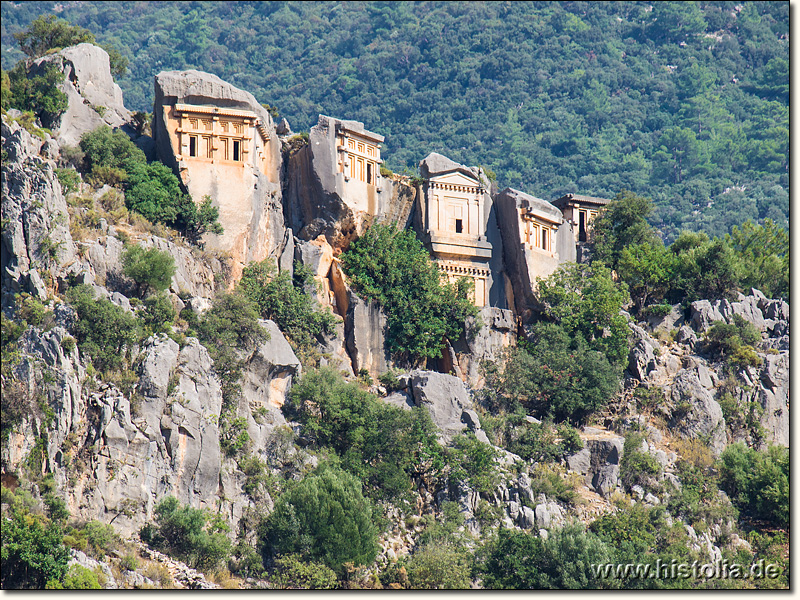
point(557, 376)
point(586, 302)
point(292, 572)
point(393, 268)
point(648, 270)
point(48, 33)
point(763, 257)
point(149, 268)
point(32, 552)
point(105, 147)
point(104, 331)
point(623, 223)
point(38, 91)
point(158, 314)
point(704, 269)
point(757, 481)
point(324, 518)
point(195, 536)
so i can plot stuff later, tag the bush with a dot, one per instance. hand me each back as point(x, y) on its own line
point(32, 552)
point(382, 445)
point(393, 268)
point(77, 578)
point(151, 268)
point(323, 518)
point(158, 314)
point(194, 536)
point(104, 147)
point(292, 572)
point(439, 566)
point(519, 560)
point(103, 330)
point(474, 461)
point(48, 33)
point(556, 376)
point(637, 467)
point(757, 481)
point(285, 301)
point(229, 326)
point(38, 93)
point(69, 179)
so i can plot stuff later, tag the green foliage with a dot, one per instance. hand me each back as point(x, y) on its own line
point(285, 301)
point(382, 445)
point(104, 147)
point(32, 552)
point(763, 257)
point(622, 224)
point(585, 301)
point(637, 467)
point(519, 560)
point(149, 268)
point(77, 578)
point(735, 341)
point(158, 314)
point(48, 33)
point(229, 326)
point(196, 537)
point(104, 331)
point(705, 268)
point(439, 566)
point(233, 436)
point(323, 518)
point(474, 461)
point(393, 268)
point(38, 91)
point(757, 481)
point(556, 376)
point(548, 479)
point(292, 572)
point(69, 179)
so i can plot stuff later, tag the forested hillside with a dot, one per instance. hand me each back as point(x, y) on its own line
point(684, 102)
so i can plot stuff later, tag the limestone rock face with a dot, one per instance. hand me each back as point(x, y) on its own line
point(247, 192)
point(365, 327)
point(772, 392)
point(703, 415)
point(321, 201)
point(484, 344)
point(641, 358)
point(36, 243)
point(94, 98)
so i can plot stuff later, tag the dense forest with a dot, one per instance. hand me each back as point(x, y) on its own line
point(684, 102)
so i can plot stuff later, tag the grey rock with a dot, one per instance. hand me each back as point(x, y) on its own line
point(445, 398)
point(703, 416)
point(672, 320)
point(543, 533)
point(484, 344)
point(36, 285)
point(580, 462)
point(364, 330)
point(686, 336)
point(549, 515)
point(514, 509)
point(703, 314)
point(527, 517)
point(121, 301)
point(283, 127)
point(651, 499)
point(88, 83)
point(638, 491)
point(400, 399)
point(772, 393)
point(198, 304)
point(641, 358)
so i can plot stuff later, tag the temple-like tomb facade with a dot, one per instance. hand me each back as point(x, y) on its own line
point(579, 211)
point(455, 221)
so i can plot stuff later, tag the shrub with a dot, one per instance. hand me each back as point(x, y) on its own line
point(474, 461)
point(194, 536)
point(48, 33)
point(229, 326)
point(104, 147)
point(69, 179)
point(393, 268)
point(32, 552)
point(129, 562)
point(757, 481)
point(285, 301)
point(39, 92)
point(548, 479)
point(439, 566)
point(383, 445)
point(637, 467)
point(556, 375)
point(323, 518)
point(103, 330)
point(77, 578)
point(151, 268)
point(158, 314)
point(292, 572)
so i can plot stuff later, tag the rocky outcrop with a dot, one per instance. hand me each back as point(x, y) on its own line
point(94, 99)
point(641, 358)
point(696, 413)
point(36, 243)
point(486, 337)
point(446, 399)
point(320, 200)
point(365, 330)
point(599, 460)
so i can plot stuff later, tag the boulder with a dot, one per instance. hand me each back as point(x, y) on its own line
point(445, 398)
point(641, 358)
point(484, 344)
point(772, 393)
point(94, 99)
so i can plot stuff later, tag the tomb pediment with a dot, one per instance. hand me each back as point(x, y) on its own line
point(455, 178)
